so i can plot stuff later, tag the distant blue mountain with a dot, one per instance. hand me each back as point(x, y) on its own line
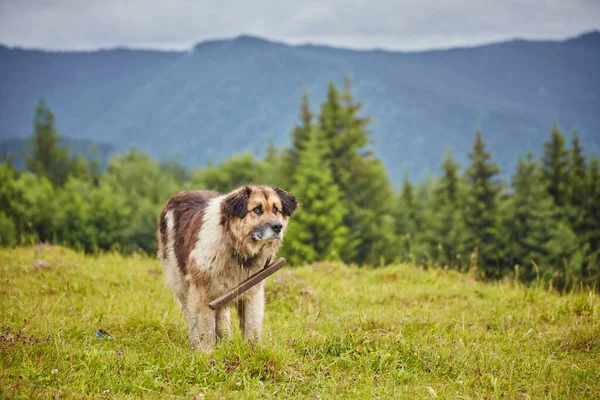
point(227, 96)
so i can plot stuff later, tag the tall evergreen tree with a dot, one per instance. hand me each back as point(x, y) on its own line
point(301, 132)
point(408, 221)
point(531, 221)
point(444, 228)
point(481, 214)
point(591, 221)
point(361, 177)
point(576, 193)
point(370, 219)
point(577, 172)
point(555, 166)
point(344, 131)
point(316, 232)
point(46, 157)
point(410, 205)
point(448, 188)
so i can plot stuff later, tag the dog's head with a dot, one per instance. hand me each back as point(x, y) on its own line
point(258, 214)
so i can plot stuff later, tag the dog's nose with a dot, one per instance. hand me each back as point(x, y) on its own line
point(276, 226)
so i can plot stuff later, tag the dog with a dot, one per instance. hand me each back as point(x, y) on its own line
point(208, 242)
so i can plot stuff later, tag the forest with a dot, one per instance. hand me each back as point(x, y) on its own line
point(541, 224)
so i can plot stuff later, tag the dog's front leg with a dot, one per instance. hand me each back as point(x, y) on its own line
point(251, 310)
point(203, 330)
point(223, 328)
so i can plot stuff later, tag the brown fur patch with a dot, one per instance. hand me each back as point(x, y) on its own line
point(188, 211)
point(163, 228)
point(198, 278)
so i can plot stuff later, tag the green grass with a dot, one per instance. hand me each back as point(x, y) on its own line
point(331, 331)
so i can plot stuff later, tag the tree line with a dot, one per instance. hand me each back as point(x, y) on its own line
point(542, 224)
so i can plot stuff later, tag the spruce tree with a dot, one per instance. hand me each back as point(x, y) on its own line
point(576, 194)
point(345, 133)
point(301, 132)
point(408, 221)
point(331, 123)
point(409, 204)
point(449, 183)
point(361, 177)
point(46, 157)
point(531, 221)
point(555, 166)
point(591, 221)
point(444, 228)
point(370, 219)
point(577, 172)
point(316, 231)
point(480, 212)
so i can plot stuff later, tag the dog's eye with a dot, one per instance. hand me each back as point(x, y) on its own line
point(257, 210)
point(275, 210)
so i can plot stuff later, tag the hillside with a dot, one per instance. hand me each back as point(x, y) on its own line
point(228, 96)
point(331, 331)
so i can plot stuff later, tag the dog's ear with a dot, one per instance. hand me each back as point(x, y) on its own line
point(289, 203)
point(236, 204)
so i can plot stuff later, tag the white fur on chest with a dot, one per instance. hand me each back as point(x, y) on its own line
point(212, 255)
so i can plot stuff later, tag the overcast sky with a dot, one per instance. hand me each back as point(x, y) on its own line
point(389, 24)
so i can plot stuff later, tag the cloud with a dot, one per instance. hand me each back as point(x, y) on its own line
point(178, 24)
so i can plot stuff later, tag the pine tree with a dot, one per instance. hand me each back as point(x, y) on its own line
point(356, 135)
point(331, 123)
point(445, 232)
point(316, 231)
point(369, 220)
point(448, 186)
point(576, 194)
point(481, 214)
point(591, 221)
point(555, 165)
point(301, 132)
point(408, 201)
point(361, 177)
point(577, 172)
point(344, 132)
point(46, 157)
point(531, 221)
point(408, 221)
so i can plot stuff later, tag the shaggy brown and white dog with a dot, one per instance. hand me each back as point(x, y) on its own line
point(209, 242)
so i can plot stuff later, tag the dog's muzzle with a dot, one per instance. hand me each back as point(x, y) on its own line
point(269, 231)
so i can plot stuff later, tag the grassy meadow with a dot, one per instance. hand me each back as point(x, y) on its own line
point(331, 331)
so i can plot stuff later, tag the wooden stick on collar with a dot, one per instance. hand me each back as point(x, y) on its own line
point(248, 283)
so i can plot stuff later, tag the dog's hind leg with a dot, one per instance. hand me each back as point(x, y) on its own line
point(189, 319)
point(177, 283)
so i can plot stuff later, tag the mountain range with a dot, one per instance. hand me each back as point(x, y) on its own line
point(227, 96)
